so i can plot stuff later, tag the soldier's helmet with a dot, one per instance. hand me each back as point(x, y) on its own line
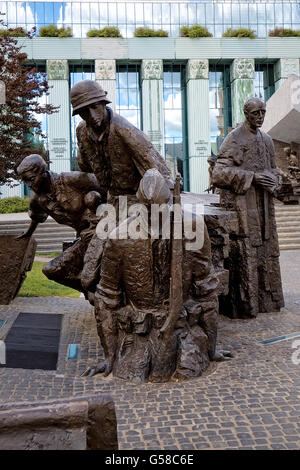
point(34, 163)
point(85, 93)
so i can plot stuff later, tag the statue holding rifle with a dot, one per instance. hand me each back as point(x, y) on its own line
point(154, 323)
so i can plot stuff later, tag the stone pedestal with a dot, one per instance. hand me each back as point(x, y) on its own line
point(242, 86)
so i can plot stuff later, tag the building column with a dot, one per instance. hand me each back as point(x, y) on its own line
point(59, 122)
point(242, 86)
point(198, 124)
point(152, 102)
point(284, 68)
point(105, 75)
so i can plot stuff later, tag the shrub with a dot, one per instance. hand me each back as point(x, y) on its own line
point(150, 33)
point(195, 31)
point(239, 33)
point(53, 31)
point(13, 32)
point(11, 205)
point(107, 32)
point(281, 32)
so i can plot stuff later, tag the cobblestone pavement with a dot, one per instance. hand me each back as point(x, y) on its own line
point(250, 402)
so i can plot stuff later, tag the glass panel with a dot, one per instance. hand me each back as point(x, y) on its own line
point(157, 14)
point(121, 12)
point(261, 13)
point(253, 14)
point(287, 13)
point(173, 120)
point(278, 13)
point(192, 14)
point(67, 12)
point(30, 14)
point(11, 12)
point(244, 13)
point(139, 13)
point(174, 19)
point(262, 30)
point(235, 13)
point(209, 13)
point(3, 7)
point(147, 15)
point(49, 13)
point(85, 13)
point(57, 11)
point(270, 13)
point(78, 72)
point(227, 15)
point(218, 31)
point(103, 13)
point(212, 99)
point(295, 13)
point(218, 14)
point(133, 80)
point(132, 116)
point(183, 17)
point(173, 30)
point(130, 13)
point(219, 104)
point(21, 14)
point(76, 30)
point(133, 100)
point(123, 99)
point(201, 14)
point(173, 123)
point(165, 8)
point(112, 14)
point(128, 93)
point(130, 31)
point(84, 30)
point(259, 85)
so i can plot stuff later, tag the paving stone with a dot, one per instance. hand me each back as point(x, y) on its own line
point(250, 402)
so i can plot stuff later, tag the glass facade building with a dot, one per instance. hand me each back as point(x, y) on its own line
point(217, 16)
point(184, 94)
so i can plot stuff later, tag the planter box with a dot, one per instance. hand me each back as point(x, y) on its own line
point(160, 48)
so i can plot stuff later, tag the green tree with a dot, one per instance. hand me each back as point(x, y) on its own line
point(21, 88)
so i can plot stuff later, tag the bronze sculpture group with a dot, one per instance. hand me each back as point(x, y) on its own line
point(155, 300)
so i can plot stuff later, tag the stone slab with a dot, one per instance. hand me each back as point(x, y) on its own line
point(85, 423)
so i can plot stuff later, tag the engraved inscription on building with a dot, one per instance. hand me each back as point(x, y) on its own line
point(59, 147)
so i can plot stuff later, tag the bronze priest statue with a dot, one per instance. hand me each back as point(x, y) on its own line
point(249, 180)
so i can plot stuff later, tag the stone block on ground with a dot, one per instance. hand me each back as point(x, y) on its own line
point(82, 423)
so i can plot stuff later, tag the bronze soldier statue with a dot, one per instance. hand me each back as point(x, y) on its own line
point(110, 146)
point(114, 150)
point(70, 198)
point(249, 180)
point(133, 301)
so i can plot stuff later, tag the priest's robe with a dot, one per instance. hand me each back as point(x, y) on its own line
point(254, 279)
